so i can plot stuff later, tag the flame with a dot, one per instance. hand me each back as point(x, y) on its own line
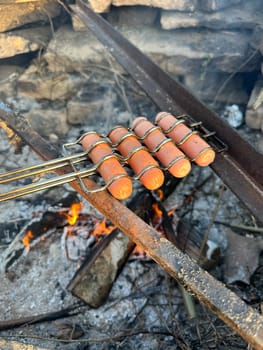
point(139, 252)
point(73, 214)
point(102, 229)
point(157, 215)
point(26, 240)
point(156, 220)
point(160, 194)
point(157, 210)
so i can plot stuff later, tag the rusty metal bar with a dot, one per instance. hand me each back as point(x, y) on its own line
point(240, 168)
point(224, 303)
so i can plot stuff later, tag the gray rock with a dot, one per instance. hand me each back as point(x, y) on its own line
point(181, 5)
point(179, 52)
point(48, 121)
point(216, 5)
point(8, 78)
point(233, 115)
point(213, 87)
point(38, 83)
point(134, 15)
point(254, 111)
point(19, 13)
point(79, 112)
point(23, 41)
point(257, 37)
point(246, 16)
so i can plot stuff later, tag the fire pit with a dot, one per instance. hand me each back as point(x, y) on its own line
point(57, 241)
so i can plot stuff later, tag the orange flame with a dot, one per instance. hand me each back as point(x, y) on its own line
point(139, 252)
point(160, 194)
point(157, 210)
point(73, 214)
point(102, 229)
point(26, 240)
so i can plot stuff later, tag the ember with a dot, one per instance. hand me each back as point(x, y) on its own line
point(101, 228)
point(26, 240)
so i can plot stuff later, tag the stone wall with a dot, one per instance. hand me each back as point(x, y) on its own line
point(48, 60)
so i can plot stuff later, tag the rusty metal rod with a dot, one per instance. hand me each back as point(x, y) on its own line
point(220, 300)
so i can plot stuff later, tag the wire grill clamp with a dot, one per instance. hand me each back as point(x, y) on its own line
point(111, 155)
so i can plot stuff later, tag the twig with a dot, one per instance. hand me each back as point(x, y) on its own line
point(93, 340)
point(241, 227)
point(50, 316)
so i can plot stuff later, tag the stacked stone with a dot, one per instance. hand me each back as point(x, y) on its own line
point(214, 47)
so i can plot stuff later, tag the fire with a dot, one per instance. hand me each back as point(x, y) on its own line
point(73, 214)
point(157, 215)
point(156, 221)
point(26, 240)
point(160, 194)
point(101, 228)
point(139, 252)
point(157, 210)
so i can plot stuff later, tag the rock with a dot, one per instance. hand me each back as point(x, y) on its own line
point(216, 5)
point(254, 112)
point(257, 37)
point(181, 5)
point(93, 108)
point(100, 5)
point(237, 265)
point(213, 87)
point(254, 118)
point(233, 115)
point(11, 345)
point(246, 16)
point(23, 41)
point(179, 53)
point(79, 112)
point(48, 121)
point(8, 77)
point(19, 13)
point(133, 16)
point(38, 83)
point(77, 24)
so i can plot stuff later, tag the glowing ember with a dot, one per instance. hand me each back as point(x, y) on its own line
point(139, 252)
point(160, 194)
point(73, 214)
point(157, 210)
point(26, 240)
point(101, 228)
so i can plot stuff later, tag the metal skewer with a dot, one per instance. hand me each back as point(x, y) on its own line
point(47, 167)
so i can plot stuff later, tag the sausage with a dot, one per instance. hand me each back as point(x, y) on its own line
point(197, 149)
point(139, 159)
point(121, 188)
point(164, 149)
